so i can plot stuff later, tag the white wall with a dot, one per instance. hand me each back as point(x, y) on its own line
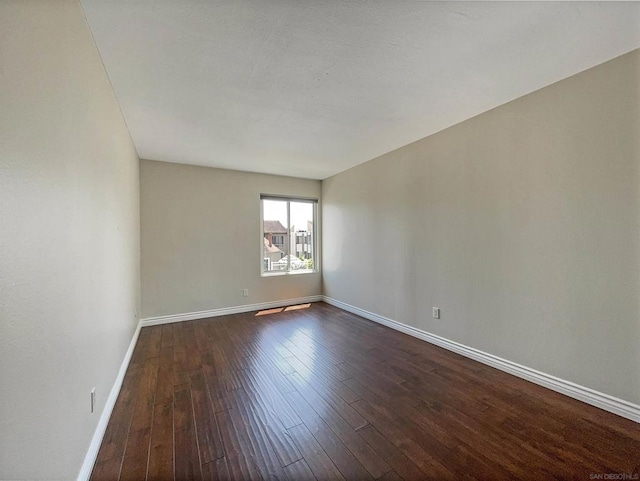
point(211, 218)
point(521, 224)
point(69, 238)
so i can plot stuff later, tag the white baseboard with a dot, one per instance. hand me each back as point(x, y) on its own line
point(190, 316)
point(98, 435)
point(595, 398)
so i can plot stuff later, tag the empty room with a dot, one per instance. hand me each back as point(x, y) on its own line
point(319, 240)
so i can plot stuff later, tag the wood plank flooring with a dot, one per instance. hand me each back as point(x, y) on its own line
point(321, 394)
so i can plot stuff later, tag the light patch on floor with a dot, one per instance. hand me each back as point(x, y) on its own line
point(280, 309)
point(299, 306)
point(269, 311)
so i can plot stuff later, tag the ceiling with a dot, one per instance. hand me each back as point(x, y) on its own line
point(311, 88)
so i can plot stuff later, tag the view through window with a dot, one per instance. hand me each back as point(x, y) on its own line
point(288, 234)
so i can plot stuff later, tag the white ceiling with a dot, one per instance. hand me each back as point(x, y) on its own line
point(310, 88)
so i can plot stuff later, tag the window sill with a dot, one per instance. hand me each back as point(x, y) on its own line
point(288, 273)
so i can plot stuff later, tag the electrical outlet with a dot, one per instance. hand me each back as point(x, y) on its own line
point(245, 292)
point(93, 399)
point(436, 313)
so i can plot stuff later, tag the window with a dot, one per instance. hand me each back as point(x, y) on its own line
point(288, 235)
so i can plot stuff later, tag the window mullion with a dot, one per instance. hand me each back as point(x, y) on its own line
point(288, 237)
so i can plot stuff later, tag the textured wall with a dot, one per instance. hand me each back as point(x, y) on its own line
point(521, 224)
point(69, 238)
point(201, 241)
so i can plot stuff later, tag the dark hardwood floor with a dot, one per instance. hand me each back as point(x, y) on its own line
point(319, 393)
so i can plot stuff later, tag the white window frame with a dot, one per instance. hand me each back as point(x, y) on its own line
point(316, 247)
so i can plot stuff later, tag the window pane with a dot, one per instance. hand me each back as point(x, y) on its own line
point(276, 235)
point(302, 248)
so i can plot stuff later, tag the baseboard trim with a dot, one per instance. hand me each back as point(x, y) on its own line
point(190, 316)
point(601, 400)
point(98, 435)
